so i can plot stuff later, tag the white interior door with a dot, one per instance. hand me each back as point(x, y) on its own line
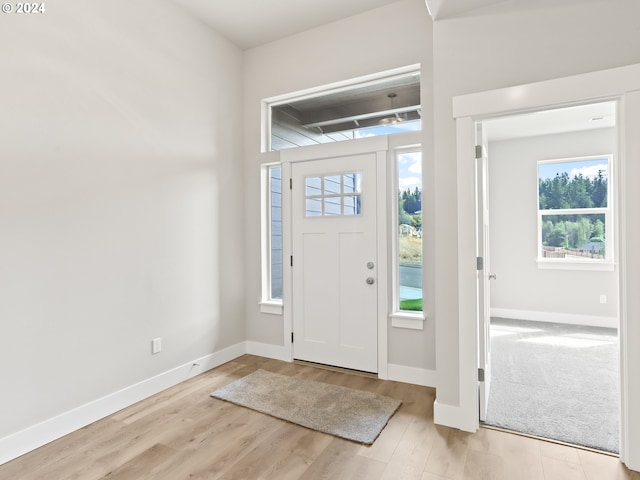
point(484, 275)
point(334, 261)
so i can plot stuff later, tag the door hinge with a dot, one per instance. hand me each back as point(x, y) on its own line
point(291, 337)
point(478, 151)
point(291, 184)
point(481, 374)
point(479, 263)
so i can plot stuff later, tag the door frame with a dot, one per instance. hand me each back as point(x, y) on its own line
point(380, 147)
point(484, 279)
point(621, 84)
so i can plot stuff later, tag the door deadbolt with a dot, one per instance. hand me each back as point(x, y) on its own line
point(370, 281)
point(370, 265)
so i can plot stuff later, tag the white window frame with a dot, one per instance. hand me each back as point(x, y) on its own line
point(606, 263)
point(401, 318)
point(268, 304)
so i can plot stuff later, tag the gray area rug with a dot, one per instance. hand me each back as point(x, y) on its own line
point(344, 412)
point(555, 381)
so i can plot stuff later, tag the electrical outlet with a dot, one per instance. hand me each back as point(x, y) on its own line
point(156, 345)
point(603, 299)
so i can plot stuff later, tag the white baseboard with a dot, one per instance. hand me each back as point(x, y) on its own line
point(453, 416)
point(267, 350)
point(413, 375)
point(568, 318)
point(33, 437)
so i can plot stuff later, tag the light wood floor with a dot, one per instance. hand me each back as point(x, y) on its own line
point(183, 433)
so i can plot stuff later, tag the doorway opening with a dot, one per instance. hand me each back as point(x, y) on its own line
point(554, 296)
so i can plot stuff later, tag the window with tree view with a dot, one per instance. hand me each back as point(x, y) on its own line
point(574, 209)
point(409, 251)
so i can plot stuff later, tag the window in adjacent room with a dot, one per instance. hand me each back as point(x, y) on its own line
point(574, 210)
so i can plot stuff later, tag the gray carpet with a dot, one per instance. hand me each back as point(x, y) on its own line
point(344, 412)
point(555, 381)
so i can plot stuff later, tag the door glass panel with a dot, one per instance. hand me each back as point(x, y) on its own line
point(351, 205)
point(331, 184)
point(351, 183)
point(332, 206)
point(333, 195)
point(314, 207)
point(313, 186)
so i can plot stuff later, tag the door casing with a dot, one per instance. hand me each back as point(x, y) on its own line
point(621, 84)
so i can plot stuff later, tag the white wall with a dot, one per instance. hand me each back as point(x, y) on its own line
point(508, 44)
point(382, 39)
point(521, 285)
point(120, 201)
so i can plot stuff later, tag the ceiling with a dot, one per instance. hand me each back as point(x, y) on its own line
point(449, 8)
point(561, 120)
point(270, 20)
point(250, 23)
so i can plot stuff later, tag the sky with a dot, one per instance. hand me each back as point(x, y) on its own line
point(588, 168)
point(409, 126)
point(410, 171)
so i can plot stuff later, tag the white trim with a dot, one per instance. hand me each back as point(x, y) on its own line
point(577, 89)
point(412, 375)
point(622, 84)
point(287, 249)
point(345, 148)
point(382, 254)
point(33, 437)
point(407, 320)
point(267, 350)
point(584, 265)
point(454, 416)
point(629, 199)
point(467, 275)
point(272, 307)
point(552, 317)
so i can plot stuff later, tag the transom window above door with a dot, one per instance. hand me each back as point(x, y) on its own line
point(333, 195)
point(384, 103)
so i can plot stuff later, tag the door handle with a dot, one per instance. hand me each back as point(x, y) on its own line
point(370, 281)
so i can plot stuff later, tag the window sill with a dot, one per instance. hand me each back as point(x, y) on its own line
point(411, 321)
point(272, 307)
point(576, 265)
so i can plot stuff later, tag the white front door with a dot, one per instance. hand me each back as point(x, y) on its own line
point(335, 318)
